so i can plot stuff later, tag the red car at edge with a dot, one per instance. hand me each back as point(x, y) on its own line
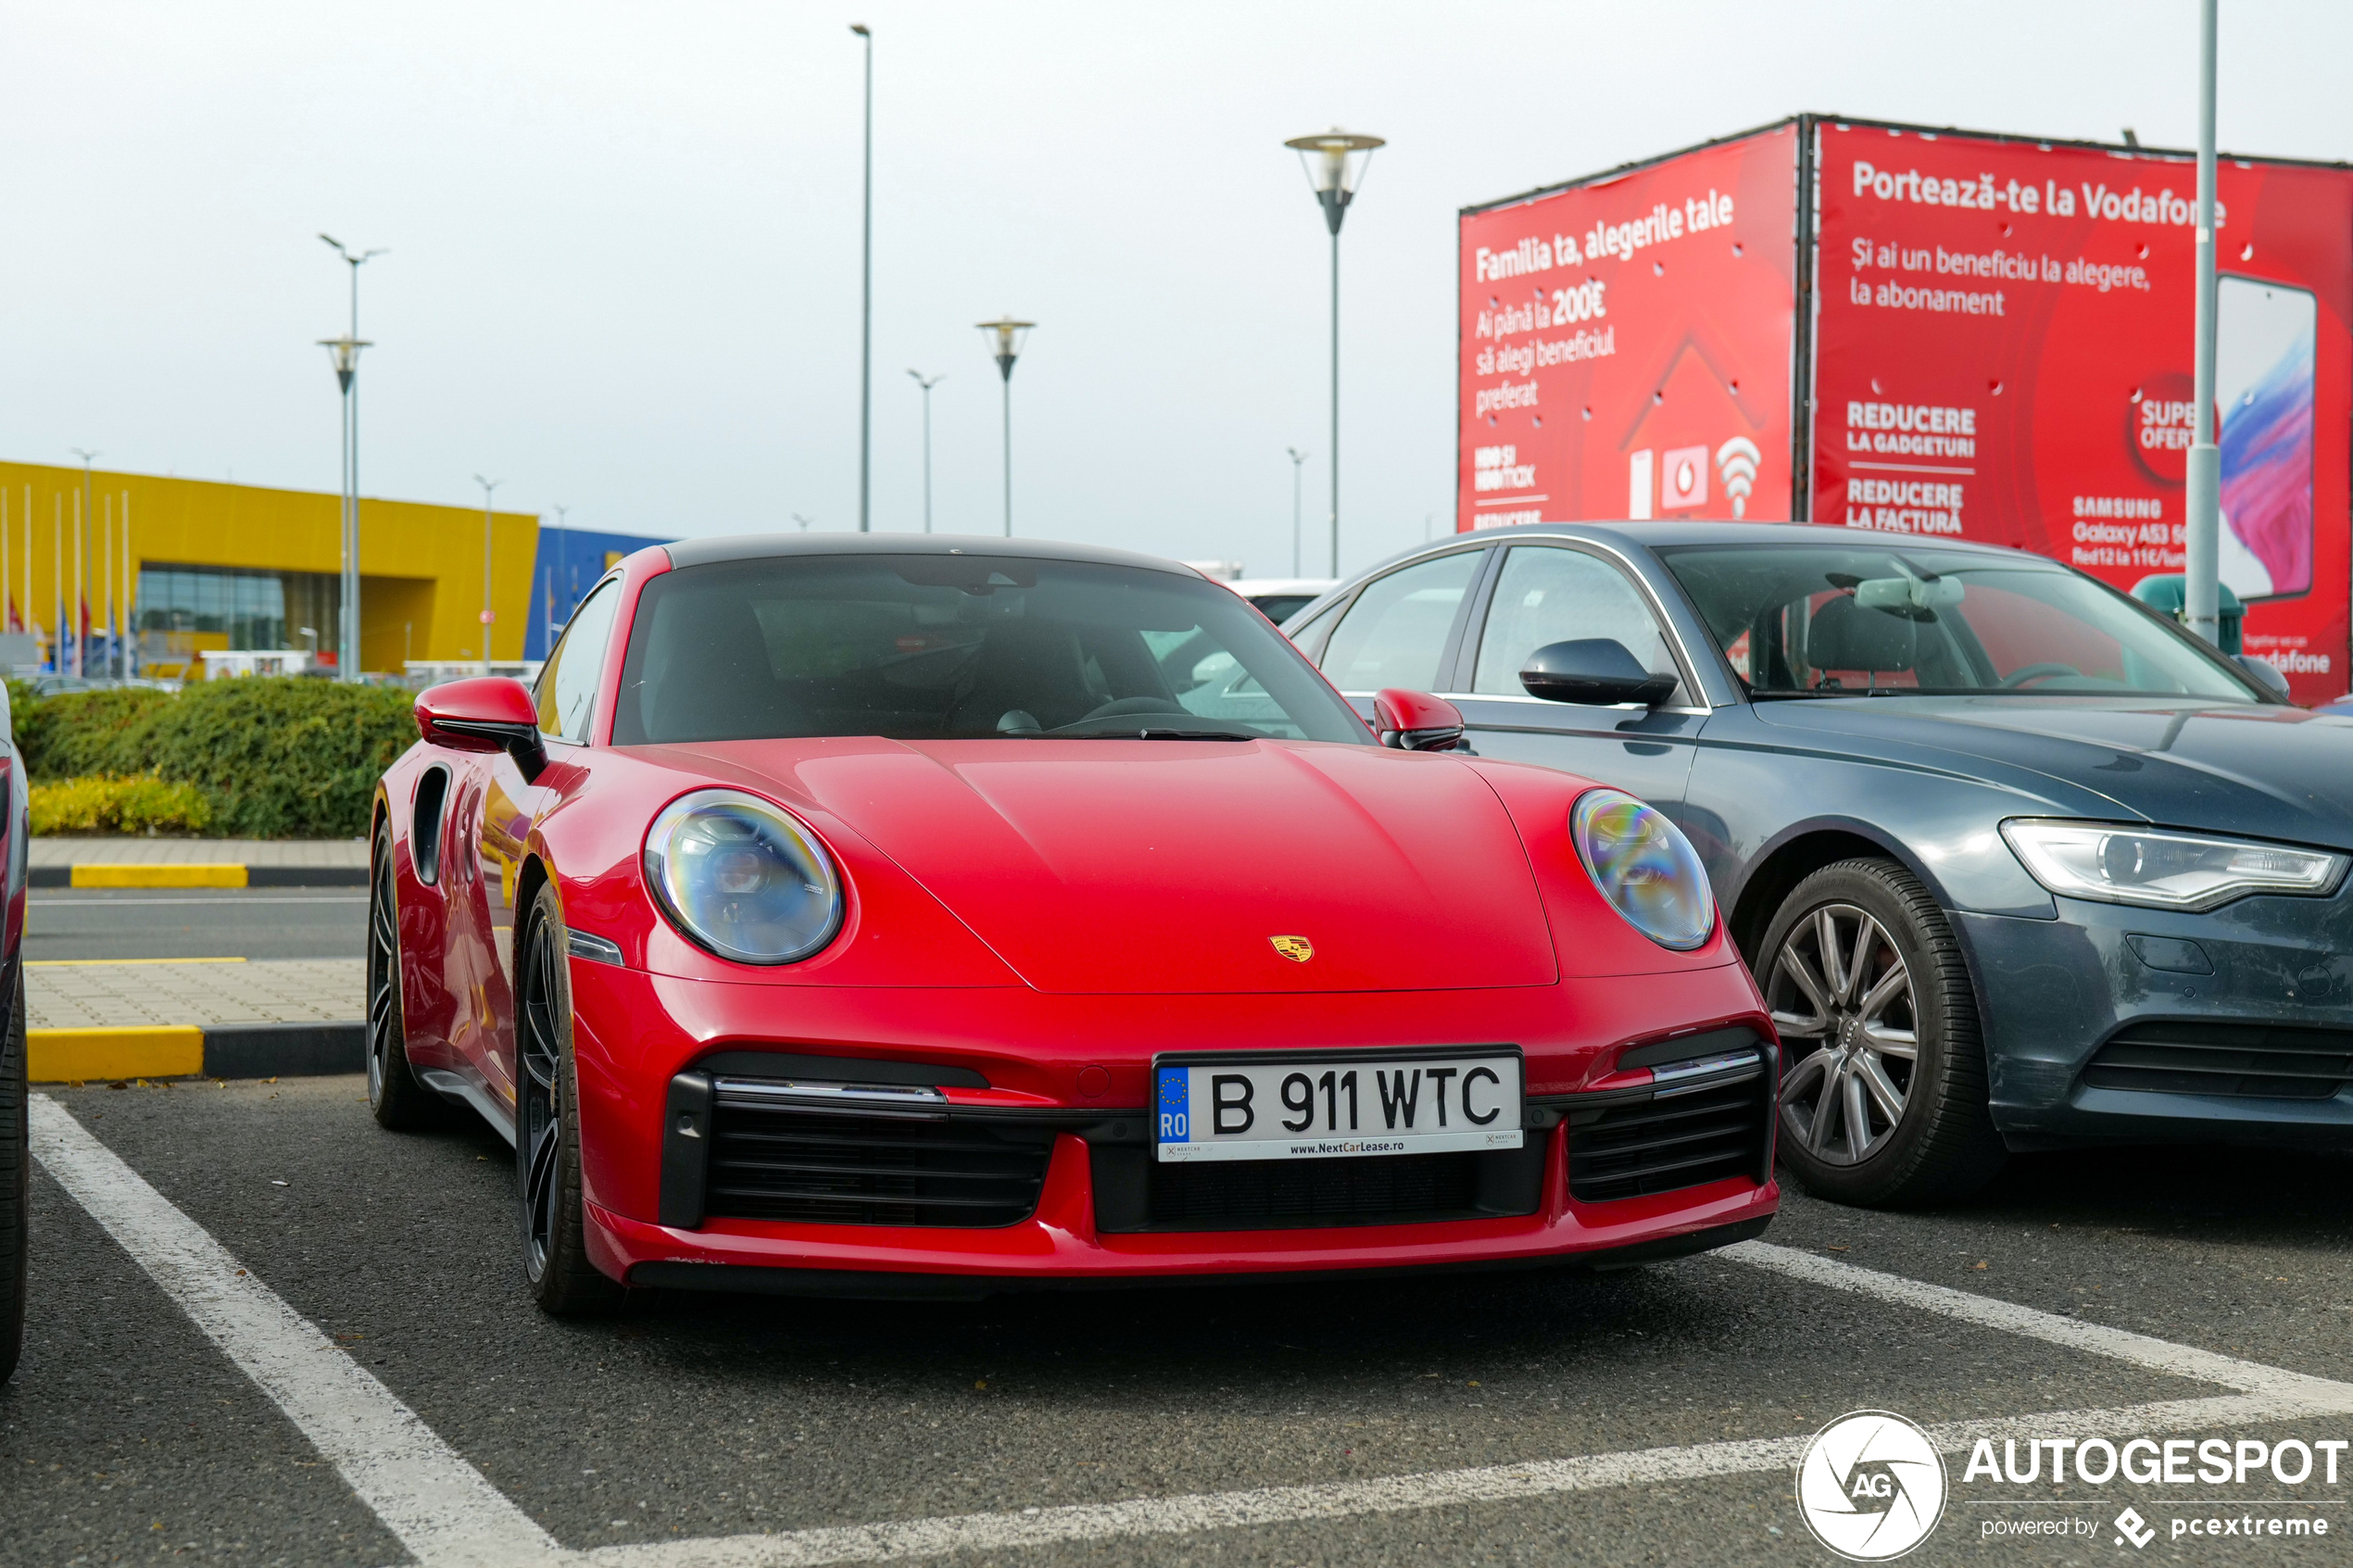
point(876, 916)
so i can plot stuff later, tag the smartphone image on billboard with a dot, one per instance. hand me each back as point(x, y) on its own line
point(2265, 335)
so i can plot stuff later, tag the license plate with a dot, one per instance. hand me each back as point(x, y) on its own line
point(1325, 1107)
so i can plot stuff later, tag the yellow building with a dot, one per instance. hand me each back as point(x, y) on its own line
point(193, 564)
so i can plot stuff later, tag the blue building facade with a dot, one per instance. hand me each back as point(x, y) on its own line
point(571, 561)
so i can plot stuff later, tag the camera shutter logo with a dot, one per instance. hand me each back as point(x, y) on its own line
point(1872, 1486)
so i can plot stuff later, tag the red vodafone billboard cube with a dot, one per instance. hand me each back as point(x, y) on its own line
point(1981, 337)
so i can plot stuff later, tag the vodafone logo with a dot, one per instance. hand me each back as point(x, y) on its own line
point(1683, 479)
point(1872, 1486)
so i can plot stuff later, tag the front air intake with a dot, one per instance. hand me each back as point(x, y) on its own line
point(2235, 1060)
point(1677, 1137)
point(872, 1155)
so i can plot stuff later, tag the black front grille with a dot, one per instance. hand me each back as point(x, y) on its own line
point(1243, 1193)
point(2242, 1060)
point(771, 1162)
point(1670, 1141)
point(1135, 1192)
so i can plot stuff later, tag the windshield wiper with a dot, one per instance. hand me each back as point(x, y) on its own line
point(1156, 732)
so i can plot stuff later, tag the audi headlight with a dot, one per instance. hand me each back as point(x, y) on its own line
point(1644, 867)
point(2163, 871)
point(743, 878)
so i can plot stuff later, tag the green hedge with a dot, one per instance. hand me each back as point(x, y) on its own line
point(276, 756)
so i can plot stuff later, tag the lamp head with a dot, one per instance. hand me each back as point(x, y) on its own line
point(1335, 161)
point(1008, 335)
point(859, 28)
point(344, 353)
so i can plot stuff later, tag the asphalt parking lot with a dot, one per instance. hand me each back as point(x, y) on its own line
point(84, 924)
point(1648, 1416)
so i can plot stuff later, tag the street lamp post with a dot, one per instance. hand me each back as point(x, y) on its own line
point(1010, 335)
point(926, 383)
point(488, 615)
point(555, 572)
point(1298, 467)
point(2200, 598)
point(867, 303)
point(79, 639)
point(345, 351)
point(1335, 161)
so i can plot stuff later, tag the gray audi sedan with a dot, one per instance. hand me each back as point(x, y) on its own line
point(2018, 863)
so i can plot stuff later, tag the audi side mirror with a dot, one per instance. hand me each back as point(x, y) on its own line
point(1598, 672)
point(2266, 674)
point(1418, 721)
point(487, 713)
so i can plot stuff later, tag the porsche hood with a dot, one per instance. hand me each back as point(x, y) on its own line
point(1171, 866)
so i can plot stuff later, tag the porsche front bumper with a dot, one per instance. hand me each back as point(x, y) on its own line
point(1043, 1127)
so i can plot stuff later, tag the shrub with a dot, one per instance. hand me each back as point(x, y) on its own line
point(119, 804)
point(276, 756)
point(76, 735)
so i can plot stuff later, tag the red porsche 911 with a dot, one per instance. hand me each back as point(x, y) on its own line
point(877, 916)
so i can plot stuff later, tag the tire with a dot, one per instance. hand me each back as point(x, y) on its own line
point(399, 1101)
point(547, 1187)
point(1883, 1086)
point(16, 1184)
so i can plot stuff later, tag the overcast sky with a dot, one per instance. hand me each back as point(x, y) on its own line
point(623, 268)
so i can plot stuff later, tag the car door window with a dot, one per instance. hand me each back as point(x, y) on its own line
point(1395, 633)
point(568, 687)
point(1309, 636)
point(1548, 594)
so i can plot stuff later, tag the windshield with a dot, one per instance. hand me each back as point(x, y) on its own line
point(1822, 620)
point(938, 647)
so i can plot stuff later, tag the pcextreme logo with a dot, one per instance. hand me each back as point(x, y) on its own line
point(1872, 1486)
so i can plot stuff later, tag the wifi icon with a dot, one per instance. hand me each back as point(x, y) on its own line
point(1736, 462)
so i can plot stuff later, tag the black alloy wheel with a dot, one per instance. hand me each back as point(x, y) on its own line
point(556, 1262)
point(1883, 1085)
point(16, 1182)
point(399, 1101)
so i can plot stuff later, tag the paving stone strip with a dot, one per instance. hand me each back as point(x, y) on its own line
point(101, 996)
point(45, 852)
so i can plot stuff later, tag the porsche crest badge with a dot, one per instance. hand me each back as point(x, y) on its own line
point(1296, 948)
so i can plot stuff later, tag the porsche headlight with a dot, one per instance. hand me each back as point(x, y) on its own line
point(743, 878)
point(1644, 867)
point(2163, 871)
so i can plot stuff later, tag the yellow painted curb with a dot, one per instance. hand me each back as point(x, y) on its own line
point(158, 1050)
point(114, 874)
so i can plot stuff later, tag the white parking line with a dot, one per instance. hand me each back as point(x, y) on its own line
point(2073, 1333)
point(446, 1513)
point(1392, 1494)
point(443, 1510)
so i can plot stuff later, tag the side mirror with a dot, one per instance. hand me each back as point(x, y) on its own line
point(1595, 670)
point(1418, 721)
point(487, 713)
point(2266, 674)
